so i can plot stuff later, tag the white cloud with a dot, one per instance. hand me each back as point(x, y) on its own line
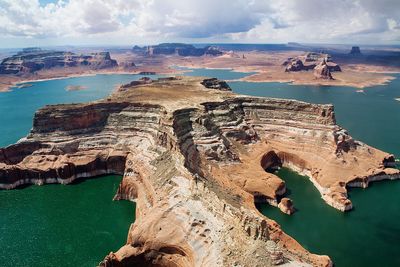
point(208, 20)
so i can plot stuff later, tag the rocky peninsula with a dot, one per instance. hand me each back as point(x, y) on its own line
point(196, 157)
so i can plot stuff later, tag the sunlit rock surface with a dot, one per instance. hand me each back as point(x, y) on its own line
point(195, 160)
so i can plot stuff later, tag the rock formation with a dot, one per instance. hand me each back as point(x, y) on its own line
point(31, 60)
point(355, 50)
point(286, 206)
point(309, 61)
point(297, 65)
point(184, 50)
point(321, 71)
point(196, 159)
point(214, 83)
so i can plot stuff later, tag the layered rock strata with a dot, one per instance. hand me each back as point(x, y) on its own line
point(286, 206)
point(195, 160)
point(310, 61)
point(31, 60)
point(321, 71)
point(184, 50)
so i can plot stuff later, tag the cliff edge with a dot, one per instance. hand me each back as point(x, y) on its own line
point(195, 157)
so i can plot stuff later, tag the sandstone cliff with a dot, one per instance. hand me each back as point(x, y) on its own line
point(184, 50)
point(31, 60)
point(310, 61)
point(196, 159)
point(321, 71)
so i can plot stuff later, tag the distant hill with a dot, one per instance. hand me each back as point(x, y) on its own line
point(34, 59)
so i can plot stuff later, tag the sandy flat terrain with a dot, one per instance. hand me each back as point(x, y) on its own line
point(267, 65)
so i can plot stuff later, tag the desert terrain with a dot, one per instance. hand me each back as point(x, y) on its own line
point(358, 71)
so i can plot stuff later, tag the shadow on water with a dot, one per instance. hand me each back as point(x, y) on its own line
point(59, 225)
point(371, 225)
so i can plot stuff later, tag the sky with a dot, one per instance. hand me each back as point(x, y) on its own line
point(129, 22)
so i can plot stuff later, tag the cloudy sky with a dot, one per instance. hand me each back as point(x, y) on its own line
point(126, 22)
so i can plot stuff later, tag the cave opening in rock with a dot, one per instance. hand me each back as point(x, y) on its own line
point(270, 162)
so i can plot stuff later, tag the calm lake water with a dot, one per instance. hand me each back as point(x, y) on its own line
point(58, 225)
point(78, 225)
point(370, 234)
point(63, 225)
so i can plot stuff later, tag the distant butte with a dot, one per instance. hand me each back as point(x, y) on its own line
point(195, 157)
point(179, 49)
point(320, 63)
point(31, 60)
point(355, 50)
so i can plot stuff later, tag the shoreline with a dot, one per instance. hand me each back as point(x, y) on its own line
point(317, 82)
point(8, 87)
point(253, 77)
point(255, 73)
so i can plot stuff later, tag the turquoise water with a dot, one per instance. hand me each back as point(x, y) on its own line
point(18, 106)
point(372, 117)
point(56, 225)
point(368, 236)
point(77, 225)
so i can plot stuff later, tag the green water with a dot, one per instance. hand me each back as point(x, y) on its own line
point(57, 225)
point(63, 225)
point(77, 225)
point(367, 236)
point(370, 234)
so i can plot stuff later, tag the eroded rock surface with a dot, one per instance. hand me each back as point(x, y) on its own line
point(321, 71)
point(310, 61)
point(286, 206)
point(30, 60)
point(194, 160)
point(180, 49)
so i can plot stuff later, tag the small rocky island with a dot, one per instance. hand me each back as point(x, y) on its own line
point(196, 157)
point(31, 60)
